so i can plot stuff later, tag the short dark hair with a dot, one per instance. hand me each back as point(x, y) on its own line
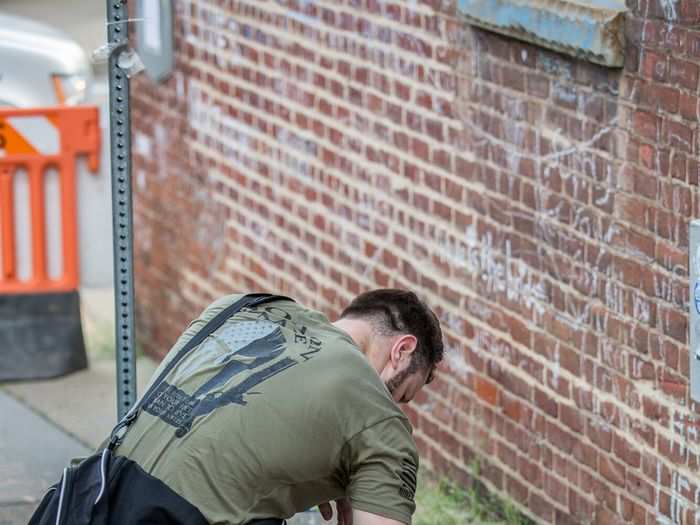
point(400, 311)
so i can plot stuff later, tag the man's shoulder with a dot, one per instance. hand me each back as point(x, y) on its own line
point(225, 301)
point(358, 389)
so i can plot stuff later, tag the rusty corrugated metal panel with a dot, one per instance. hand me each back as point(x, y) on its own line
point(588, 29)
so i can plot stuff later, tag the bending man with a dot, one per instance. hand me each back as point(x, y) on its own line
point(280, 410)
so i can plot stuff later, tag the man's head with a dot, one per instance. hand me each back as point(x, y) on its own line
point(400, 335)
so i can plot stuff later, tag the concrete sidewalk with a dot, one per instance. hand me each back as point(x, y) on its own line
point(46, 423)
point(33, 452)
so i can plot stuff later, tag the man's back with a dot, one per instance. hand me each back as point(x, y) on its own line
point(276, 412)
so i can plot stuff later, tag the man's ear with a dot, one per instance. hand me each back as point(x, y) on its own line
point(402, 349)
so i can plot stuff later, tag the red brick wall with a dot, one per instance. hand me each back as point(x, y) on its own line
point(320, 148)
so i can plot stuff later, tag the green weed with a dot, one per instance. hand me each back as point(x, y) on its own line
point(443, 502)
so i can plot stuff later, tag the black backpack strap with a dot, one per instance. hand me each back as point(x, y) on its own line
point(246, 301)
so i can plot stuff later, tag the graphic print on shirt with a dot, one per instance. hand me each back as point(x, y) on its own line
point(234, 349)
point(409, 479)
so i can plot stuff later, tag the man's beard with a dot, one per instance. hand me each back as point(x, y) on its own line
point(395, 382)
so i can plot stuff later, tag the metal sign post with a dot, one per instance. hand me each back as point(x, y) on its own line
point(120, 138)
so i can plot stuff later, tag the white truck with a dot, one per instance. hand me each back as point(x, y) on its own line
point(40, 65)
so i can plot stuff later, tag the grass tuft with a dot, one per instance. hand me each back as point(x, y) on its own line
point(443, 502)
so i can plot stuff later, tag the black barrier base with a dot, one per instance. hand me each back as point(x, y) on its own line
point(40, 335)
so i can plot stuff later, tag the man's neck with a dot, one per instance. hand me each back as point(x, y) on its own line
point(360, 332)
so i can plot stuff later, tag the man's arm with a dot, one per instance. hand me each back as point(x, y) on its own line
point(382, 462)
point(360, 517)
point(347, 516)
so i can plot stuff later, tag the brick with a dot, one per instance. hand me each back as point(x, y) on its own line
point(641, 244)
point(684, 73)
point(600, 434)
point(599, 78)
point(626, 451)
point(612, 470)
point(435, 129)
point(531, 472)
point(537, 85)
point(486, 390)
point(689, 12)
point(679, 136)
point(518, 330)
point(541, 507)
point(654, 469)
point(507, 455)
point(546, 403)
point(663, 506)
point(678, 171)
point(668, 98)
point(672, 451)
point(443, 159)
point(646, 154)
point(566, 469)
point(585, 455)
point(424, 99)
point(556, 490)
point(593, 106)
point(598, 488)
point(663, 160)
point(516, 385)
point(607, 517)
point(557, 119)
point(560, 438)
point(513, 408)
point(514, 78)
point(647, 125)
point(420, 149)
point(516, 490)
point(693, 45)
point(524, 54)
point(581, 508)
point(664, 224)
point(674, 324)
point(688, 106)
point(640, 488)
point(693, 169)
point(572, 418)
point(494, 474)
point(654, 66)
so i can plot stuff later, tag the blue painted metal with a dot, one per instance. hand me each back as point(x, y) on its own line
point(591, 29)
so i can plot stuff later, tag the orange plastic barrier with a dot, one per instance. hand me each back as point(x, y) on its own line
point(37, 140)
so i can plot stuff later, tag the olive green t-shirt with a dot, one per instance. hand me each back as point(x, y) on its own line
point(275, 412)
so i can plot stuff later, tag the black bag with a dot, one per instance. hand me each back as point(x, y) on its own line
point(108, 490)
